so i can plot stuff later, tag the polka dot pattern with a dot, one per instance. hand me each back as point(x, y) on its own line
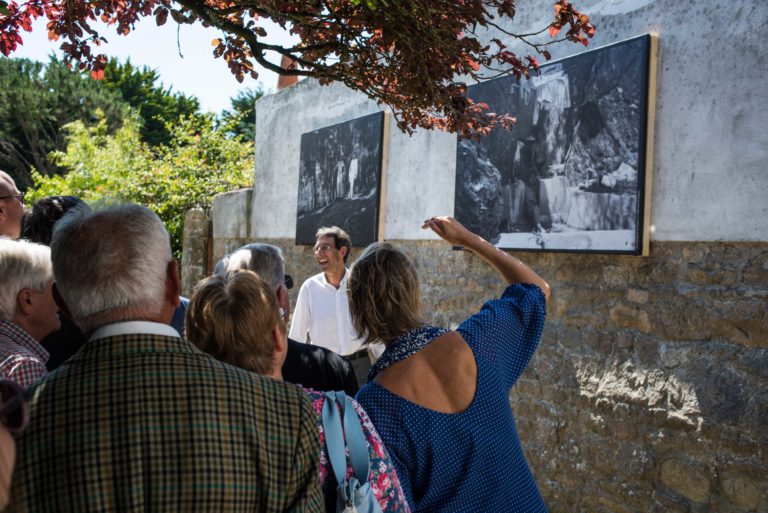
point(472, 460)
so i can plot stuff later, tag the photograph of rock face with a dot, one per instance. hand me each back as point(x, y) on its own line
point(339, 177)
point(571, 174)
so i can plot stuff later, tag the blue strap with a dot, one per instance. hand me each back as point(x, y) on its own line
point(334, 438)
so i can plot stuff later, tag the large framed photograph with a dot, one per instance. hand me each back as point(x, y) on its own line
point(574, 173)
point(339, 179)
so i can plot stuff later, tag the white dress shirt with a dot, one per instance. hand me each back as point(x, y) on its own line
point(322, 310)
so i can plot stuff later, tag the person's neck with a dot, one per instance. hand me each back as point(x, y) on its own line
point(28, 327)
point(335, 277)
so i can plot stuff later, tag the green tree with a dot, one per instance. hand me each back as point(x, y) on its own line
point(198, 163)
point(36, 101)
point(240, 121)
point(158, 107)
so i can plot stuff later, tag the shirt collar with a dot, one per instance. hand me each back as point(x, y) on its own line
point(135, 328)
point(342, 283)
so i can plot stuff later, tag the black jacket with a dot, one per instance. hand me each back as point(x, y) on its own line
point(318, 368)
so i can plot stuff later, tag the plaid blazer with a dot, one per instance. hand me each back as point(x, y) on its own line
point(138, 423)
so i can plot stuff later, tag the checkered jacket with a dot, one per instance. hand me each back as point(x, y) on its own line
point(139, 423)
point(22, 358)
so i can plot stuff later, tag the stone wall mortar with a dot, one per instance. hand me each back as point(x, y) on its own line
point(648, 391)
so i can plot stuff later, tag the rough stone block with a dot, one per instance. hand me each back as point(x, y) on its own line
point(742, 489)
point(630, 317)
point(194, 255)
point(686, 478)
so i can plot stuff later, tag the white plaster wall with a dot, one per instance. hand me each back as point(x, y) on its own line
point(280, 120)
point(710, 164)
point(420, 174)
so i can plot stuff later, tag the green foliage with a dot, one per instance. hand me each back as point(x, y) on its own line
point(36, 101)
point(198, 163)
point(241, 120)
point(158, 107)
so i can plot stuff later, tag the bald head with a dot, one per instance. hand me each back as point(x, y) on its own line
point(11, 207)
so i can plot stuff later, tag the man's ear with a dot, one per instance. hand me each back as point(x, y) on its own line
point(24, 302)
point(282, 300)
point(343, 251)
point(173, 284)
point(63, 308)
point(280, 339)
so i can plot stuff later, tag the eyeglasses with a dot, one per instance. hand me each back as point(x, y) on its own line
point(14, 414)
point(322, 248)
point(19, 196)
point(288, 281)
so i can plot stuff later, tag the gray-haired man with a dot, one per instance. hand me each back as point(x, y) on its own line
point(308, 365)
point(139, 419)
point(11, 207)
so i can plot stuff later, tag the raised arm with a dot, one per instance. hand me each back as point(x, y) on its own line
point(510, 268)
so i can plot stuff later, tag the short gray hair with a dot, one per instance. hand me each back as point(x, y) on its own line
point(263, 259)
point(23, 265)
point(111, 264)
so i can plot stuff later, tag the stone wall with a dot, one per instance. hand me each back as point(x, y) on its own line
point(648, 390)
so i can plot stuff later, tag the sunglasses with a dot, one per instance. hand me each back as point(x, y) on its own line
point(288, 281)
point(14, 414)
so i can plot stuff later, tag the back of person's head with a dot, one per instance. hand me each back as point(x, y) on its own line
point(340, 238)
point(383, 292)
point(263, 259)
point(23, 265)
point(232, 316)
point(39, 221)
point(111, 264)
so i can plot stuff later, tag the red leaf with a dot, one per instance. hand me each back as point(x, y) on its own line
point(546, 54)
point(161, 17)
point(97, 74)
point(554, 30)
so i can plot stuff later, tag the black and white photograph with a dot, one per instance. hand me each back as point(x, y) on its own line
point(339, 179)
point(571, 173)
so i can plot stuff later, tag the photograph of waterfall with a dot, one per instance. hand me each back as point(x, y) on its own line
point(339, 177)
point(572, 174)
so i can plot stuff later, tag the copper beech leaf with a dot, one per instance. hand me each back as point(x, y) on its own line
point(413, 56)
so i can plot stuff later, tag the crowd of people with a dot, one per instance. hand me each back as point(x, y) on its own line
point(117, 394)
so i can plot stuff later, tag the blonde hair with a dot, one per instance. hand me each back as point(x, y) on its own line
point(231, 318)
point(383, 292)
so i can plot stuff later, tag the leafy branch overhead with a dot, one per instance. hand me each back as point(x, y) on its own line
point(413, 55)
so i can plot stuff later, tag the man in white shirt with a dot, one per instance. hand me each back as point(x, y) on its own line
point(322, 309)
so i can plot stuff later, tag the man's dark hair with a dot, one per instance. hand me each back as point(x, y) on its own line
point(340, 238)
point(38, 223)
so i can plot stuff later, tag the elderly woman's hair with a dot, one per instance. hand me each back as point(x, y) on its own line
point(110, 263)
point(231, 317)
point(23, 265)
point(263, 259)
point(383, 293)
point(39, 221)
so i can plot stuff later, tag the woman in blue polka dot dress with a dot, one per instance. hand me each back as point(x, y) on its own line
point(440, 398)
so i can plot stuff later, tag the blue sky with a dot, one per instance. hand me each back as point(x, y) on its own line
point(195, 72)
